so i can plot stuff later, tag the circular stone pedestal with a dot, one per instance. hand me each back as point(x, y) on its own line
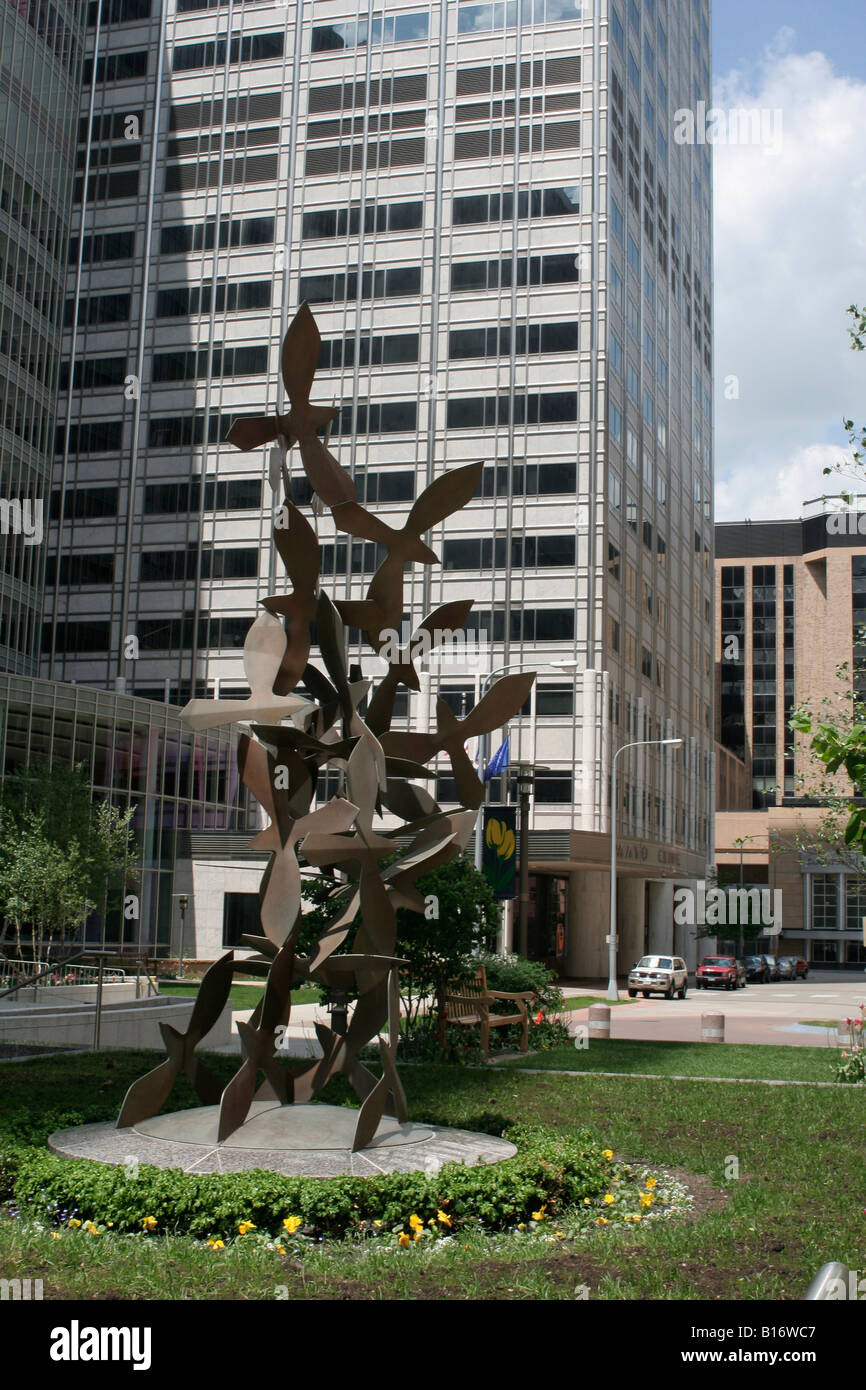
point(298, 1140)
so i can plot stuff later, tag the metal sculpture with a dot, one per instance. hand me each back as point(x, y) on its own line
point(280, 763)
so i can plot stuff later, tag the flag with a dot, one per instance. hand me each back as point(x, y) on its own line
point(498, 762)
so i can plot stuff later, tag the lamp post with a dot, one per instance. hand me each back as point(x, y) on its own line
point(183, 904)
point(482, 740)
point(525, 778)
point(612, 991)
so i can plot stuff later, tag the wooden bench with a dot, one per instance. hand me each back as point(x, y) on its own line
point(471, 1009)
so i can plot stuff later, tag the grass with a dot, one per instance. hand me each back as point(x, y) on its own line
point(584, 1001)
point(242, 996)
point(734, 1060)
point(818, 1023)
point(796, 1201)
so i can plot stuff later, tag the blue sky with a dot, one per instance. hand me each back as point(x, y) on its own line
point(790, 252)
point(743, 28)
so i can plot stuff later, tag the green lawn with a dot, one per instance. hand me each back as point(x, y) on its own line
point(735, 1060)
point(242, 996)
point(796, 1201)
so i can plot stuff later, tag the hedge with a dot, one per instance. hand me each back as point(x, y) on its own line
point(556, 1173)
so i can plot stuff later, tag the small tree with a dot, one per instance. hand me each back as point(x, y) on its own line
point(61, 855)
point(461, 918)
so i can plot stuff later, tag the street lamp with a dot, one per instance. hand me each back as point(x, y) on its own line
point(183, 904)
point(525, 780)
point(612, 991)
point(565, 665)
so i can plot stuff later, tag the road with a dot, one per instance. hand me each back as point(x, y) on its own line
point(773, 1013)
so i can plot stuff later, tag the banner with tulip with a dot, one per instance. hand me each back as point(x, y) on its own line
point(499, 863)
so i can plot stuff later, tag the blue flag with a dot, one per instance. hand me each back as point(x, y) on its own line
point(498, 762)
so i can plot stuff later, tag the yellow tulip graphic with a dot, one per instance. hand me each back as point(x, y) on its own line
point(500, 837)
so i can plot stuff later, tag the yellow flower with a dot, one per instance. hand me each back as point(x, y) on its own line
point(559, 1235)
point(418, 1234)
point(91, 1229)
point(73, 1221)
point(148, 1223)
point(609, 1197)
point(416, 1223)
point(443, 1218)
point(55, 1235)
point(521, 1226)
point(244, 1227)
point(646, 1199)
point(291, 1224)
point(586, 1201)
point(217, 1244)
point(602, 1221)
point(403, 1239)
point(650, 1182)
point(539, 1215)
point(279, 1249)
point(377, 1223)
point(607, 1153)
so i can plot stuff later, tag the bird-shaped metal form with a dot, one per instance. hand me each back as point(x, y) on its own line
point(264, 649)
point(382, 610)
point(259, 1043)
point(298, 361)
point(435, 631)
point(291, 742)
point(298, 548)
point(149, 1093)
point(499, 704)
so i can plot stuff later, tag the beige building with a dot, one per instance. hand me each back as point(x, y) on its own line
point(790, 596)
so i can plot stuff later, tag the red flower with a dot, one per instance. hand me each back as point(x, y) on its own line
point(539, 1016)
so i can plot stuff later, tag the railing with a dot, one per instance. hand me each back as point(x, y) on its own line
point(14, 973)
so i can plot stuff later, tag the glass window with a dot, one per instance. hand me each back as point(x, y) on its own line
point(825, 896)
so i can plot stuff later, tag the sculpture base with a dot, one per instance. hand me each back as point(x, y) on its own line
point(297, 1140)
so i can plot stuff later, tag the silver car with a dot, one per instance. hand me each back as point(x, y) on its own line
point(665, 975)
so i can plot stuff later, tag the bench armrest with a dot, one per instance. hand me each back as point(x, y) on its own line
point(500, 994)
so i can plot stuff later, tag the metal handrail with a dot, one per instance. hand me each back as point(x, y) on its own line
point(49, 969)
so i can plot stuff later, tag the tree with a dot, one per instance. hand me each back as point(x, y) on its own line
point(461, 917)
point(61, 855)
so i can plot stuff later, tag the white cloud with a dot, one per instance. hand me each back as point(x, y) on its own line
point(790, 237)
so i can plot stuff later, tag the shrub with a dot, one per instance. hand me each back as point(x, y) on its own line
point(515, 975)
point(553, 1172)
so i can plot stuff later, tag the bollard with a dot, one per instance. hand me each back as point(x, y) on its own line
point(713, 1028)
point(599, 1021)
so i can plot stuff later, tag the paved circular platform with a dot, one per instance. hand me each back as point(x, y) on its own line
point(303, 1140)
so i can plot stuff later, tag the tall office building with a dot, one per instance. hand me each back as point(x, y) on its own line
point(792, 603)
point(40, 74)
point(509, 257)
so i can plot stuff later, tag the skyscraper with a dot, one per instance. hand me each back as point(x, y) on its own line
point(509, 257)
point(40, 73)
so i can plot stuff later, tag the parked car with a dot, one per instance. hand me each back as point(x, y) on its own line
point(774, 966)
point(757, 968)
point(665, 975)
point(721, 972)
point(792, 968)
